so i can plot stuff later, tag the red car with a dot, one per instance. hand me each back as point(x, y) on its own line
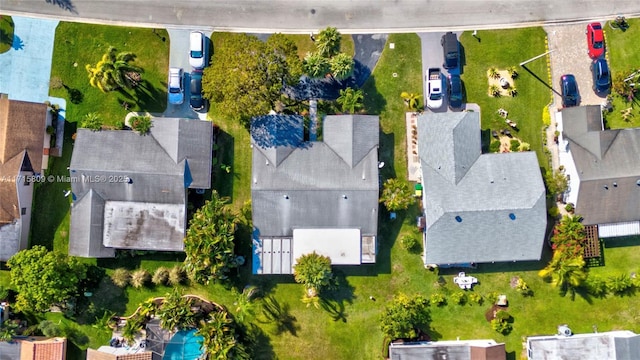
point(595, 40)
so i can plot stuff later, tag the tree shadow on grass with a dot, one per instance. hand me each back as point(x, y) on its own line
point(107, 298)
point(333, 300)
point(75, 95)
point(224, 148)
point(374, 102)
point(149, 98)
point(132, 259)
point(279, 316)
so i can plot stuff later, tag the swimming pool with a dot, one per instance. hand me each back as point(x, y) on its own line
point(184, 345)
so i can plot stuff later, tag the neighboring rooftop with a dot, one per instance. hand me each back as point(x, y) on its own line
point(613, 345)
point(34, 348)
point(607, 164)
point(22, 127)
point(494, 204)
point(140, 203)
point(449, 350)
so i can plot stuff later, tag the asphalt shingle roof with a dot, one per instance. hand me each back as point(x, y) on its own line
point(478, 208)
point(608, 166)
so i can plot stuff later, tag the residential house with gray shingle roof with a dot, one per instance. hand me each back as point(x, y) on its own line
point(22, 155)
point(478, 208)
point(130, 191)
point(604, 171)
point(314, 195)
point(611, 345)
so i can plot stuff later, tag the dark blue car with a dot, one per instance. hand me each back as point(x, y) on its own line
point(455, 91)
point(601, 76)
point(569, 88)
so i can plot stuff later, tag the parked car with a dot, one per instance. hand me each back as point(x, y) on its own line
point(434, 88)
point(455, 91)
point(595, 40)
point(197, 50)
point(569, 87)
point(176, 89)
point(450, 50)
point(601, 76)
point(195, 100)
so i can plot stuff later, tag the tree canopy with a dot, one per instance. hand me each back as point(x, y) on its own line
point(396, 195)
point(350, 100)
point(405, 317)
point(314, 271)
point(114, 71)
point(209, 244)
point(44, 278)
point(247, 76)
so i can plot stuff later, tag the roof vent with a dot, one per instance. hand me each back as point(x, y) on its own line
point(606, 187)
point(344, 196)
point(512, 216)
point(638, 182)
point(458, 219)
point(615, 184)
point(286, 197)
point(564, 330)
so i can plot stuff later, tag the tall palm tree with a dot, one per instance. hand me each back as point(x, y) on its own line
point(315, 65)
point(244, 304)
point(328, 42)
point(350, 100)
point(565, 273)
point(342, 66)
point(114, 71)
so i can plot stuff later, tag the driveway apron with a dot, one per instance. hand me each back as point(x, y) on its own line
point(25, 69)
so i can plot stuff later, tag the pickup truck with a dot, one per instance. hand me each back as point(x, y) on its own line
point(434, 88)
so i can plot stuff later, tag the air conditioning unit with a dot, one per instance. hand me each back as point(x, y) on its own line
point(564, 330)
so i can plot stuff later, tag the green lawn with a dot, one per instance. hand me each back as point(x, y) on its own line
point(503, 49)
point(624, 57)
point(6, 33)
point(77, 45)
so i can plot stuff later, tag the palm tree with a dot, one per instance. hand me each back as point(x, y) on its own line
point(328, 42)
point(314, 272)
point(175, 312)
point(219, 338)
point(315, 65)
point(565, 273)
point(513, 72)
point(8, 330)
point(350, 100)
point(92, 121)
point(493, 73)
point(494, 90)
point(244, 304)
point(411, 99)
point(342, 66)
point(513, 92)
point(131, 328)
point(396, 195)
point(114, 71)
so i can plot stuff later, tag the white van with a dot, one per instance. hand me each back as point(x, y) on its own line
point(197, 50)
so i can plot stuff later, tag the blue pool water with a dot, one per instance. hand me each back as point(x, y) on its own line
point(184, 345)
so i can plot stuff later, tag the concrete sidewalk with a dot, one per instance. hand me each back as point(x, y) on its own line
point(25, 70)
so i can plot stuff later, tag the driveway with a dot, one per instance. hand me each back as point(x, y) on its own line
point(179, 57)
point(25, 69)
point(569, 56)
point(432, 58)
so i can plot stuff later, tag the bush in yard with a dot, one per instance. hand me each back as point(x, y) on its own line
point(437, 299)
point(140, 278)
point(476, 298)
point(4, 293)
point(523, 288)
point(546, 117)
point(314, 272)
point(141, 124)
point(405, 317)
point(459, 298)
point(502, 327)
point(160, 276)
point(494, 147)
point(411, 243)
point(492, 297)
point(121, 277)
point(91, 121)
point(515, 145)
point(396, 195)
point(596, 286)
point(620, 285)
point(176, 276)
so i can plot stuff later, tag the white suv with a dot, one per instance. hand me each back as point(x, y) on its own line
point(197, 50)
point(176, 89)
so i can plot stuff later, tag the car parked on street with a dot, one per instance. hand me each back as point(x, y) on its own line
point(450, 50)
point(176, 88)
point(455, 92)
point(195, 99)
point(601, 76)
point(595, 40)
point(197, 50)
point(569, 88)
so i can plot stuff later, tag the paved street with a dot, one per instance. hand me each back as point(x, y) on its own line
point(569, 43)
point(361, 16)
point(25, 69)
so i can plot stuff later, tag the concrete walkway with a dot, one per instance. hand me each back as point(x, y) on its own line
point(25, 70)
